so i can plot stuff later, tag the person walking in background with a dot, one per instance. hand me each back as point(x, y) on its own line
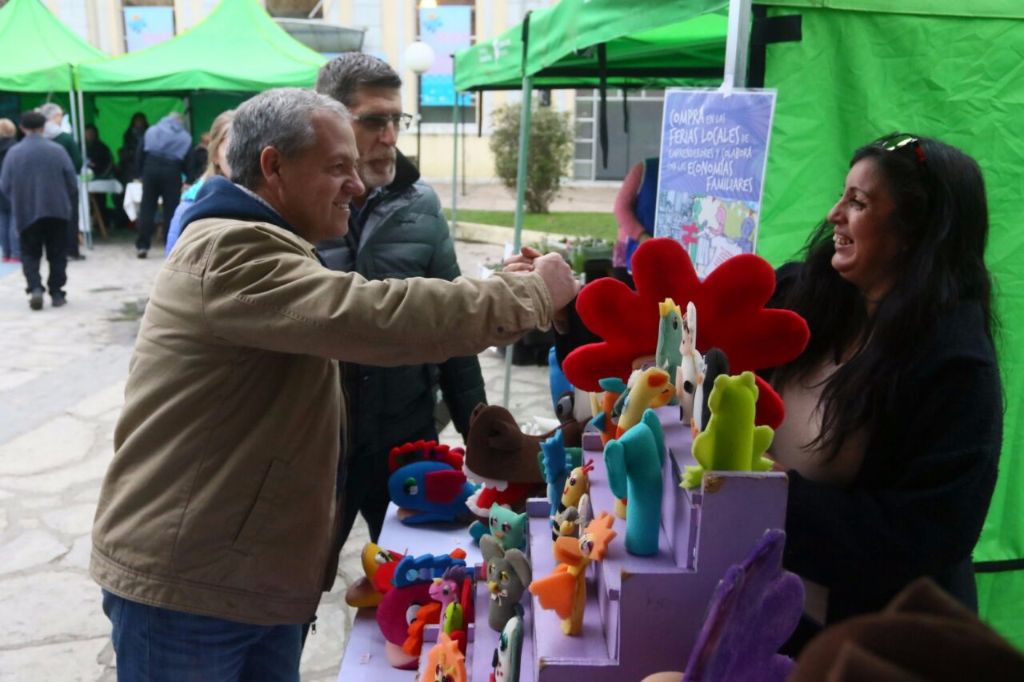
point(396, 230)
point(162, 154)
point(54, 130)
point(39, 182)
point(217, 164)
point(10, 245)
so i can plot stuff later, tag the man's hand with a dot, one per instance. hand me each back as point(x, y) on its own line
point(558, 277)
point(523, 262)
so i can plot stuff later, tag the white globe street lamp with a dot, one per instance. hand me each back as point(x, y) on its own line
point(419, 57)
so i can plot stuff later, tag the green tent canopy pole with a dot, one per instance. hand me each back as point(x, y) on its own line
point(737, 41)
point(83, 193)
point(455, 149)
point(76, 111)
point(517, 234)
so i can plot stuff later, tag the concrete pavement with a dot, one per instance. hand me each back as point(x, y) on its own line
point(62, 376)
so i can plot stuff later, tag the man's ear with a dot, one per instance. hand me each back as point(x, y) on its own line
point(270, 166)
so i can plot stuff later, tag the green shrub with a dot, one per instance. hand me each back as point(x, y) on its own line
point(550, 152)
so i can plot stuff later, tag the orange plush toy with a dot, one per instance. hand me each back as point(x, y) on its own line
point(730, 303)
point(565, 590)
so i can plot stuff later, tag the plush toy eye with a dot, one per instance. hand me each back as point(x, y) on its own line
point(506, 526)
point(494, 522)
point(490, 571)
point(503, 642)
point(504, 576)
point(382, 557)
point(563, 408)
point(586, 546)
point(689, 387)
point(572, 481)
point(675, 323)
point(410, 486)
point(410, 613)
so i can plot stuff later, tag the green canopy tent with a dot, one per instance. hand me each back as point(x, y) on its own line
point(236, 51)
point(237, 48)
point(940, 68)
point(40, 54)
point(39, 50)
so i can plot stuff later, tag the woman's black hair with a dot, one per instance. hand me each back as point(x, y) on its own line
point(941, 217)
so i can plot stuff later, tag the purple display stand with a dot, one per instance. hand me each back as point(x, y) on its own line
point(643, 613)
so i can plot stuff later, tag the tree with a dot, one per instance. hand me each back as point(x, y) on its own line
point(549, 156)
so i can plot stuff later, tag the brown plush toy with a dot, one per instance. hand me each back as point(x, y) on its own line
point(502, 458)
point(924, 634)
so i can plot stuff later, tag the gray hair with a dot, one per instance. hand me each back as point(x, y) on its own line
point(281, 118)
point(342, 77)
point(50, 109)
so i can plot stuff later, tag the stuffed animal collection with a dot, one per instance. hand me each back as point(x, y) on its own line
point(651, 354)
point(427, 482)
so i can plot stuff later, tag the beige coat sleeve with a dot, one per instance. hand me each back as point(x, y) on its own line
point(263, 292)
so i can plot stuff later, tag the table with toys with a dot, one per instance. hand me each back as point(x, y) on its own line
point(640, 537)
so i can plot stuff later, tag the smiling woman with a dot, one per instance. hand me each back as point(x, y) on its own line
point(894, 411)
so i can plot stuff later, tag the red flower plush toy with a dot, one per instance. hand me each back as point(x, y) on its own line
point(730, 309)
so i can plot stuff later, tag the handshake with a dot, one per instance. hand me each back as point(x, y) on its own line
point(556, 273)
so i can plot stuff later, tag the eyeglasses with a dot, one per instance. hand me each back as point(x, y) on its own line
point(894, 142)
point(378, 122)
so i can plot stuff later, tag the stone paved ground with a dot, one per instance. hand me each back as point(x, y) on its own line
point(62, 376)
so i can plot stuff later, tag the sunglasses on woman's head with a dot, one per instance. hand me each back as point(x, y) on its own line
point(894, 142)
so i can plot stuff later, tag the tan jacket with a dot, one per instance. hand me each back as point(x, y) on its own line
point(220, 497)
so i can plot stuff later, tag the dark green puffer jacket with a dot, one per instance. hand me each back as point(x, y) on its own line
point(401, 233)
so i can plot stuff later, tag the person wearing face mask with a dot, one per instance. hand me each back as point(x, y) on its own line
point(396, 230)
point(217, 164)
point(55, 130)
point(894, 411)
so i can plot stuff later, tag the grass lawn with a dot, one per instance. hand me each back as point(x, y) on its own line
point(570, 223)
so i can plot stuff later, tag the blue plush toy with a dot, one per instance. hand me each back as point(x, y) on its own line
point(634, 463)
point(429, 491)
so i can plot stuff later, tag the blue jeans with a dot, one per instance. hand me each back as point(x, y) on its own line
point(156, 645)
point(10, 244)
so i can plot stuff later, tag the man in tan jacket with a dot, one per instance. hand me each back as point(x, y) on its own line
point(215, 531)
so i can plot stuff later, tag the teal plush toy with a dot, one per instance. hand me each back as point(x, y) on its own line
point(634, 463)
point(668, 355)
point(508, 528)
point(730, 441)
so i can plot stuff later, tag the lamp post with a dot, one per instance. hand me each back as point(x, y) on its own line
point(419, 57)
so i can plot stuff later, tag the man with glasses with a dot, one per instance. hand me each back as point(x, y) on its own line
point(396, 230)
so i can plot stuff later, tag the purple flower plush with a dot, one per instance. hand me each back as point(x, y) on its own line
point(753, 611)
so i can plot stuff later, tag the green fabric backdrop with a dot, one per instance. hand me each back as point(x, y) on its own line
point(858, 74)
